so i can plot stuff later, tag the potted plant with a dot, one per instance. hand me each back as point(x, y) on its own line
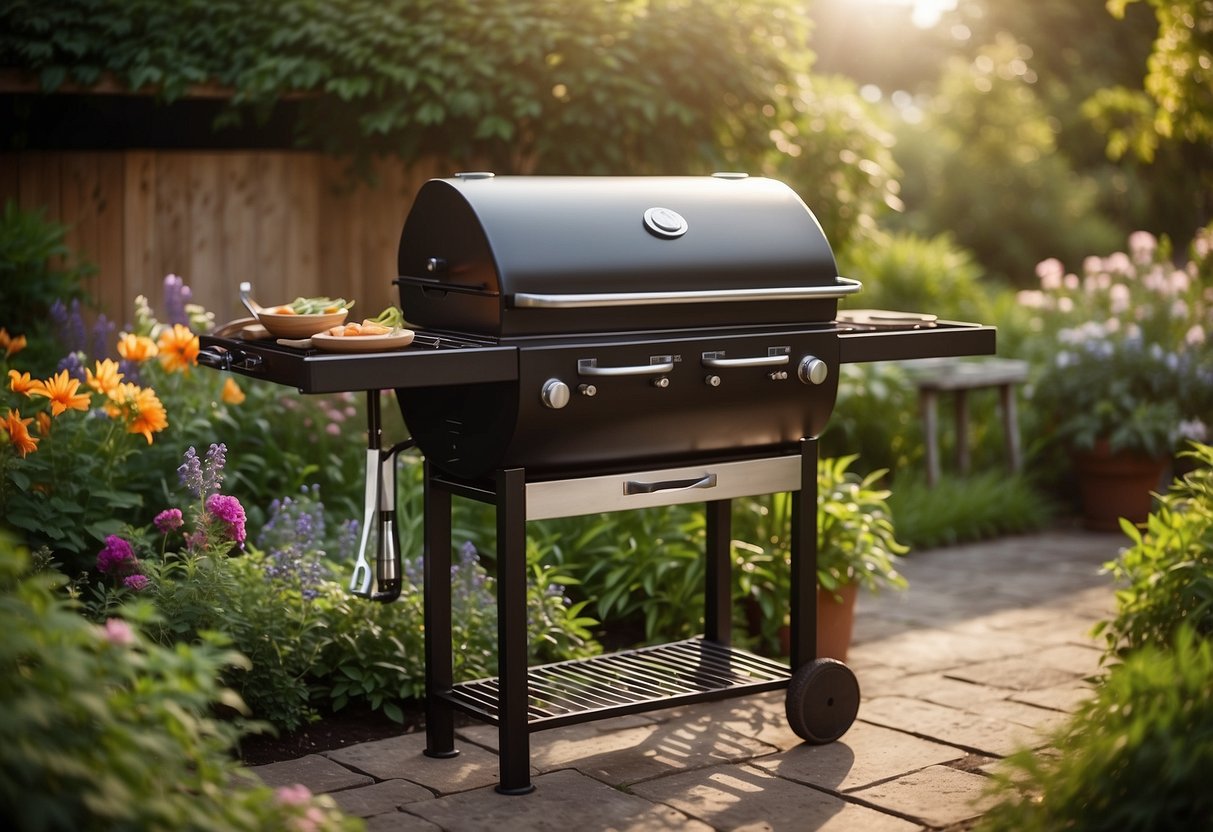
point(1129, 371)
point(856, 548)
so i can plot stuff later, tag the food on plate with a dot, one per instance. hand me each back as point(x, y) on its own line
point(386, 322)
point(353, 330)
point(312, 306)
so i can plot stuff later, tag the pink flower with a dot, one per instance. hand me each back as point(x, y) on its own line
point(168, 520)
point(229, 510)
point(117, 557)
point(296, 795)
point(138, 583)
point(119, 632)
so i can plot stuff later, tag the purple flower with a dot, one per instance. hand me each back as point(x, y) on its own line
point(176, 296)
point(103, 335)
point(74, 363)
point(117, 557)
point(69, 324)
point(190, 472)
point(169, 520)
point(229, 510)
point(138, 583)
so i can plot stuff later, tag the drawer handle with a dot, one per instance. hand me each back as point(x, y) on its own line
point(636, 487)
point(717, 361)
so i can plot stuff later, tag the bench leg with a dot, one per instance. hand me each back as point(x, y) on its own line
point(1010, 427)
point(962, 431)
point(928, 402)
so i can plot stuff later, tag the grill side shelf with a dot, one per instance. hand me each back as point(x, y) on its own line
point(432, 362)
point(632, 681)
point(946, 339)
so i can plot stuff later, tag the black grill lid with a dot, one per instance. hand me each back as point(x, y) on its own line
point(548, 255)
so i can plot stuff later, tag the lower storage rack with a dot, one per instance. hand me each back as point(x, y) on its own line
point(631, 681)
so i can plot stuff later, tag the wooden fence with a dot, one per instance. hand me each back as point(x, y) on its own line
point(289, 222)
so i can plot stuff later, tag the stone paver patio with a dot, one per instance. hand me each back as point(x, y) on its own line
point(989, 649)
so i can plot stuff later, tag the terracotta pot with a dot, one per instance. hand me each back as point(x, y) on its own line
point(1116, 484)
point(835, 623)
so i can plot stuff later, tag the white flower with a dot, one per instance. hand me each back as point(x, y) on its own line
point(1142, 245)
point(1063, 359)
point(1195, 336)
point(1179, 309)
point(1092, 265)
point(1119, 295)
point(1071, 282)
point(1065, 304)
point(1193, 429)
point(1030, 298)
point(1180, 281)
point(1119, 263)
point(1050, 272)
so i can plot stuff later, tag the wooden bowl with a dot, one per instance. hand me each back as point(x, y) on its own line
point(300, 326)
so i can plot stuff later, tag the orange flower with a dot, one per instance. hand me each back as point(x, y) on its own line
point(18, 434)
point(150, 415)
point(106, 378)
point(138, 348)
point(178, 349)
point(139, 407)
point(232, 394)
point(61, 390)
point(22, 383)
point(44, 423)
point(15, 345)
point(5, 339)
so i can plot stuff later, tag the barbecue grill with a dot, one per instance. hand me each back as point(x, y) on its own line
point(589, 344)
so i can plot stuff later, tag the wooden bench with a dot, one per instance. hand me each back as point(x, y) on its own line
point(936, 376)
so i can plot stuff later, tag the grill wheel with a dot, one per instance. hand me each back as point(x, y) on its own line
point(823, 700)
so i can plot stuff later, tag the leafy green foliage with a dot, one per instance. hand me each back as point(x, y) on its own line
point(32, 278)
point(1135, 758)
point(856, 542)
point(983, 164)
point(963, 509)
point(1167, 571)
point(544, 85)
point(835, 150)
point(102, 729)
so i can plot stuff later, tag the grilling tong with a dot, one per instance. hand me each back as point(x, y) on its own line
point(379, 510)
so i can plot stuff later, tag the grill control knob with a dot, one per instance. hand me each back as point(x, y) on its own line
point(661, 382)
point(712, 381)
point(812, 370)
point(587, 389)
point(555, 393)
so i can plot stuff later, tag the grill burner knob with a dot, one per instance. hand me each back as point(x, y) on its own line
point(812, 370)
point(661, 382)
point(712, 381)
point(555, 393)
point(587, 390)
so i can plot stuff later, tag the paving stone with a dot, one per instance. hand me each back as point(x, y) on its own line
point(864, 755)
point(1041, 721)
point(938, 688)
point(1073, 658)
point(379, 798)
point(627, 750)
point(400, 822)
point(937, 795)
point(1064, 697)
point(401, 757)
point(562, 801)
point(318, 773)
point(924, 650)
point(745, 798)
point(762, 717)
point(952, 726)
point(1014, 673)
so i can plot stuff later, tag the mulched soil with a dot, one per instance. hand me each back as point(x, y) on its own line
point(346, 727)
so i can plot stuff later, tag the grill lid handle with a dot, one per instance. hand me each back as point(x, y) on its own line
point(845, 286)
point(631, 487)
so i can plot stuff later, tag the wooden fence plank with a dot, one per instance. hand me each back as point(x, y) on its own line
point(304, 234)
point(138, 228)
point(171, 221)
point(79, 191)
point(239, 232)
point(203, 271)
point(273, 194)
point(111, 242)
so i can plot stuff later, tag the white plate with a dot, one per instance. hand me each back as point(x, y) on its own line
point(363, 343)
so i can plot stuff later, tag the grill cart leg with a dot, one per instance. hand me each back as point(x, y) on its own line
point(513, 730)
point(823, 696)
point(439, 667)
point(718, 596)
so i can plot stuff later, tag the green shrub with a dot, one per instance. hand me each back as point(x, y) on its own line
point(1167, 572)
point(963, 509)
point(102, 729)
point(1136, 758)
point(31, 280)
